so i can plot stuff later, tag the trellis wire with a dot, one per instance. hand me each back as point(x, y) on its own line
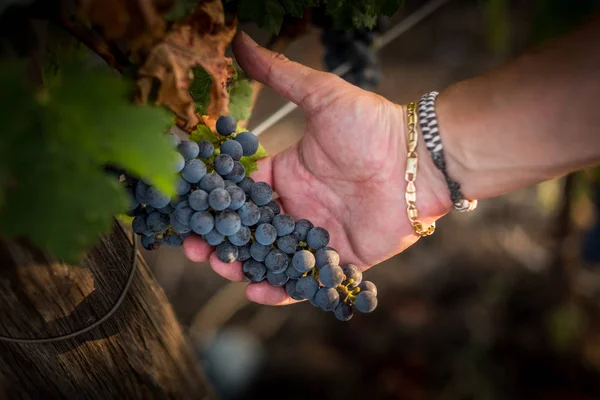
point(99, 322)
point(391, 35)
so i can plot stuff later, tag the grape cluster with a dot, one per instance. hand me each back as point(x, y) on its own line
point(229, 210)
point(354, 47)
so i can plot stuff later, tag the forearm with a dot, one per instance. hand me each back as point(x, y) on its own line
point(534, 119)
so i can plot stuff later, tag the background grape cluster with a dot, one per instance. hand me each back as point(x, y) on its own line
point(357, 48)
point(229, 210)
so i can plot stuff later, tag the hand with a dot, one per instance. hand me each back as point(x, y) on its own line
point(346, 174)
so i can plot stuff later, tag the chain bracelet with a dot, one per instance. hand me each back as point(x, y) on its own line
point(412, 161)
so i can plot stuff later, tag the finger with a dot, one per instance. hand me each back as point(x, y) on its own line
point(264, 293)
point(232, 271)
point(196, 249)
point(294, 81)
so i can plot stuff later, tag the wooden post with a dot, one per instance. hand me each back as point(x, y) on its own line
point(138, 353)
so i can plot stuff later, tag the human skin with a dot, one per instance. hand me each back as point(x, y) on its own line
point(527, 122)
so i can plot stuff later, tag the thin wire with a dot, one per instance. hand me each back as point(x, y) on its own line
point(99, 322)
point(391, 35)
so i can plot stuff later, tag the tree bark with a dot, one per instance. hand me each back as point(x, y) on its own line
point(138, 353)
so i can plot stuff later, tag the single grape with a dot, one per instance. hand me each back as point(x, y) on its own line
point(303, 261)
point(277, 261)
point(259, 252)
point(265, 234)
point(277, 279)
point(343, 312)
point(365, 302)
point(273, 205)
point(284, 224)
point(326, 255)
point(156, 198)
point(179, 162)
point(254, 271)
point(182, 187)
point(202, 222)
point(261, 193)
point(183, 212)
point(266, 215)
point(249, 214)
point(211, 182)
point(150, 242)
point(227, 183)
point(368, 286)
point(188, 149)
point(331, 275)
point(301, 229)
point(219, 199)
point(178, 226)
point(174, 140)
point(213, 238)
point(241, 237)
point(172, 240)
point(206, 149)
point(249, 143)
point(168, 209)
point(139, 226)
point(233, 148)
point(246, 184)
point(198, 200)
point(237, 195)
point(307, 286)
point(317, 238)
point(238, 173)
point(227, 252)
point(327, 299)
point(293, 272)
point(244, 252)
point(290, 288)
point(157, 222)
point(226, 125)
point(352, 272)
point(193, 171)
point(227, 222)
point(223, 164)
point(287, 244)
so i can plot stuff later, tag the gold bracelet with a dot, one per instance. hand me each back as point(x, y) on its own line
point(412, 160)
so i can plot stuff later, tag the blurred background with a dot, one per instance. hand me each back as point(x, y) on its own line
point(498, 304)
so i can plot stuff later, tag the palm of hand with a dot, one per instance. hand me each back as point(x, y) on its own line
point(346, 174)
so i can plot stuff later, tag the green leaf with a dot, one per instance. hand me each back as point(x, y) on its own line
point(200, 89)
point(360, 13)
point(53, 149)
point(240, 100)
point(181, 9)
point(268, 14)
point(62, 203)
point(94, 111)
point(203, 132)
point(295, 8)
point(250, 162)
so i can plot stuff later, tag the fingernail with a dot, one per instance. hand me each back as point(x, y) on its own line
point(248, 40)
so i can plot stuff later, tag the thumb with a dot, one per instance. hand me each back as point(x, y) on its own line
point(301, 85)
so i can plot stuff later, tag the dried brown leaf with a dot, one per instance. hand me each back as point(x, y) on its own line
point(200, 40)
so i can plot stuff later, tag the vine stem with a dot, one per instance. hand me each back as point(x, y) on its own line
point(92, 40)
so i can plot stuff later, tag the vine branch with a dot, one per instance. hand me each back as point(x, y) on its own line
point(113, 56)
